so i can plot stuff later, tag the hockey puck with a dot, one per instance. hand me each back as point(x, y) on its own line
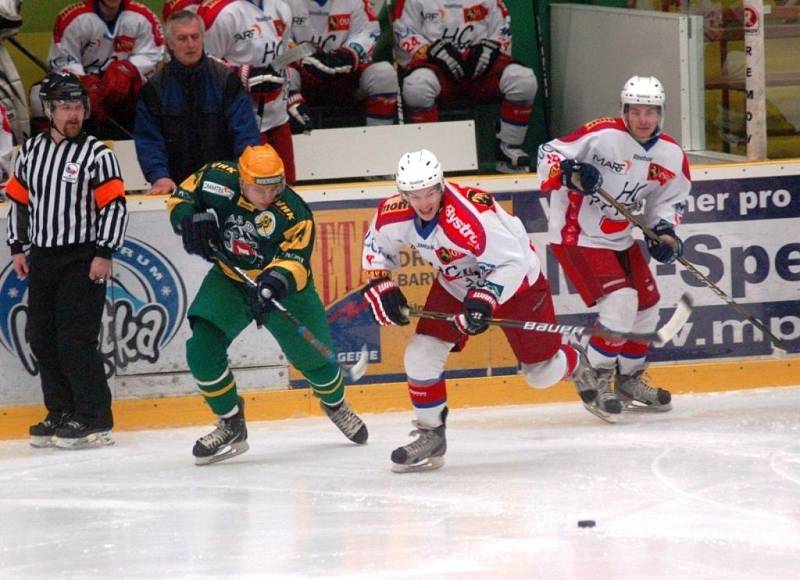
point(586, 523)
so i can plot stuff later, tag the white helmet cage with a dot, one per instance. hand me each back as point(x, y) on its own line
point(418, 170)
point(643, 91)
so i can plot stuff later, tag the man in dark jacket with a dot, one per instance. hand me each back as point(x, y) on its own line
point(191, 112)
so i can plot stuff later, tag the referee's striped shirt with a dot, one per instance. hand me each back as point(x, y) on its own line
point(66, 193)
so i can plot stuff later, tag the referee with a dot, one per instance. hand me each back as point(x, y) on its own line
point(69, 206)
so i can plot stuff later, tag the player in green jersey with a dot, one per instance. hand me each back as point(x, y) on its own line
point(247, 212)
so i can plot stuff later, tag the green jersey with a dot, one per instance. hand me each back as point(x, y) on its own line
point(279, 237)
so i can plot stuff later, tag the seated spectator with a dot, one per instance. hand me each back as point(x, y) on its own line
point(113, 46)
point(191, 112)
point(341, 72)
point(460, 49)
point(249, 36)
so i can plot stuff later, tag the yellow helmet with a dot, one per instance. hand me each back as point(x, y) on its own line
point(261, 164)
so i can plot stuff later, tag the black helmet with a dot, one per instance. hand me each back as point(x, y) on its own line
point(62, 86)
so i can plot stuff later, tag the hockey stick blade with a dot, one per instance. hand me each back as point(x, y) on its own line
point(294, 54)
point(360, 367)
point(683, 310)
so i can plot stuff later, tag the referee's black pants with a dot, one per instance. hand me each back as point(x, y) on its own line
point(65, 310)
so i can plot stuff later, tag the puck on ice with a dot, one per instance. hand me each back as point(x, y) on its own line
point(586, 523)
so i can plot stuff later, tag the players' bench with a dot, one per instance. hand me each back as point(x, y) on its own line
point(353, 152)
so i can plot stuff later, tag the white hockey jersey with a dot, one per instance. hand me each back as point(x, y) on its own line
point(652, 179)
point(472, 243)
point(418, 23)
point(84, 44)
point(336, 23)
point(254, 33)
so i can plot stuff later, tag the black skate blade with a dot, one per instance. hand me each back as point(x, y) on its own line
point(427, 464)
point(636, 407)
point(223, 453)
point(597, 412)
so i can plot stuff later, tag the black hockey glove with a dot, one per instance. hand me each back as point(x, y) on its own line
point(270, 285)
point(588, 176)
point(299, 115)
point(482, 57)
point(199, 231)
point(478, 306)
point(261, 81)
point(386, 301)
point(446, 56)
point(325, 65)
point(664, 252)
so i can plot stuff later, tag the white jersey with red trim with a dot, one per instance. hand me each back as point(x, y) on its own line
point(336, 23)
point(83, 43)
point(419, 23)
point(652, 179)
point(473, 242)
point(253, 33)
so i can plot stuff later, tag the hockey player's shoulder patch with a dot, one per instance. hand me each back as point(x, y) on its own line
point(210, 9)
point(67, 16)
point(392, 210)
point(480, 199)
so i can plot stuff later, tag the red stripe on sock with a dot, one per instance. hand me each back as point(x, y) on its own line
point(515, 113)
point(428, 395)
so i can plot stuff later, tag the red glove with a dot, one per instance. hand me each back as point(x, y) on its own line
point(120, 81)
point(93, 86)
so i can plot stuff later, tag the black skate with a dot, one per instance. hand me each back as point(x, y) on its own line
point(76, 434)
point(347, 421)
point(228, 440)
point(594, 388)
point(43, 434)
point(639, 397)
point(426, 452)
point(511, 159)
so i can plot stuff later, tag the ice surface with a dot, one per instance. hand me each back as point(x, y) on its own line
point(709, 490)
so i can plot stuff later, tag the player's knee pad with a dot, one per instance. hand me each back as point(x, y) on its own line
point(421, 88)
point(545, 374)
point(647, 319)
point(425, 357)
point(206, 350)
point(518, 83)
point(617, 311)
point(379, 78)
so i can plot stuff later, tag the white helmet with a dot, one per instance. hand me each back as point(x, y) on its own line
point(418, 170)
point(642, 91)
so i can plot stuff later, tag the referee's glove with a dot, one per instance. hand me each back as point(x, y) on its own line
point(199, 233)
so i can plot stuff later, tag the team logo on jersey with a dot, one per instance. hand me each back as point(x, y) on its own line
point(145, 306)
point(71, 172)
point(265, 223)
point(280, 27)
point(618, 167)
point(218, 189)
point(447, 255)
point(124, 43)
point(338, 22)
point(480, 198)
point(240, 238)
point(430, 17)
point(662, 175)
point(475, 13)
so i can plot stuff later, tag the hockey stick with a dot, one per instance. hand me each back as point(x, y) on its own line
point(42, 65)
point(781, 347)
point(353, 373)
point(683, 309)
point(279, 63)
point(537, 19)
